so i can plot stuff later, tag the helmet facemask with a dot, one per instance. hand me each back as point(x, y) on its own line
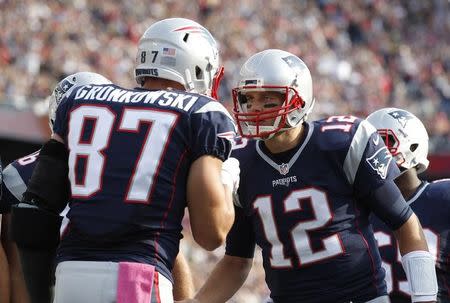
point(279, 71)
point(266, 123)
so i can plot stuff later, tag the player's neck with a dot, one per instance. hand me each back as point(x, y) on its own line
point(285, 140)
point(158, 83)
point(408, 183)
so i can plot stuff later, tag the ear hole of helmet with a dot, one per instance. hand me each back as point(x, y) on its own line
point(413, 147)
point(185, 38)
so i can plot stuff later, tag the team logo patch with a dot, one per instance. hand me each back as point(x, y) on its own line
point(380, 161)
point(401, 116)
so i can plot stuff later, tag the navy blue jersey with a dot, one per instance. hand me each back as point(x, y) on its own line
point(16, 176)
point(130, 154)
point(308, 208)
point(431, 203)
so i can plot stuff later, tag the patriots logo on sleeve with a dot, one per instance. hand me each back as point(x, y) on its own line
point(380, 161)
point(401, 116)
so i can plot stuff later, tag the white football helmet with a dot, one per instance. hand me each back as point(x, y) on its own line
point(273, 70)
point(66, 86)
point(404, 135)
point(180, 50)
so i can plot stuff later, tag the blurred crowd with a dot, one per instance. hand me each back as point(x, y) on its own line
point(363, 55)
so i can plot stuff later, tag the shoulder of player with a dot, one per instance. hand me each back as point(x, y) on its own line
point(440, 189)
point(171, 99)
point(15, 173)
point(332, 134)
point(244, 151)
point(205, 104)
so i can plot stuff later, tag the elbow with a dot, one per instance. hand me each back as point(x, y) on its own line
point(211, 241)
point(211, 231)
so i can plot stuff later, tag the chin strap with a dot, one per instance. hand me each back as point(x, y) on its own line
point(216, 82)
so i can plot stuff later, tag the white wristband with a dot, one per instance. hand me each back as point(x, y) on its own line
point(420, 271)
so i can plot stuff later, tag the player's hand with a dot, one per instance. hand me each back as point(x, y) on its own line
point(230, 174)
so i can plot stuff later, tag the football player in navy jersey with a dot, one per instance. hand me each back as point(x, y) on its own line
point(305, 194)
point(34, 266)
point(407, 140)
point(135, 159)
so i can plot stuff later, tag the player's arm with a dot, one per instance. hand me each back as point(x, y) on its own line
point(417, 262)
point(225, 280)
point(183, 287)
point(46, 196)
point(232, 271)
point(389, 205)
point(19, 292)
point(210, 202)
point(374, 183)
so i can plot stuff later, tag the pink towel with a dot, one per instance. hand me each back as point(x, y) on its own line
point(135, 281)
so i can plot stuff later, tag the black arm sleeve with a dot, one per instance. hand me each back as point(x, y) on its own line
point(389, 205)
point(49, 186)
point(241, 239)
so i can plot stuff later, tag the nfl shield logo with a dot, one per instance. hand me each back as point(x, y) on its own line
point(283, 168)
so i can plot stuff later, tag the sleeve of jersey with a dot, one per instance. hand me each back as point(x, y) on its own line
point(241, 239)
point(13, 188)
point(61, 124)
point(371, 170)
point(212, 131)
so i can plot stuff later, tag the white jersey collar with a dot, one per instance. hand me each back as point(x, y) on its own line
point(284, 168)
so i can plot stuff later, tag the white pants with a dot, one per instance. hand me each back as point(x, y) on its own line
point(96, 282)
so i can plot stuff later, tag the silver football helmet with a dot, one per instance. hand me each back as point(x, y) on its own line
point(273, 70)
point(404, 135)
point(66, 86)
point(180, 50)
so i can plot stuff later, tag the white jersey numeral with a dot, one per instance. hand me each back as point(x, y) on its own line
point(338, 123)
point(152, 149)
point(299, 234)
point(146, 167)
point(89, 150)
